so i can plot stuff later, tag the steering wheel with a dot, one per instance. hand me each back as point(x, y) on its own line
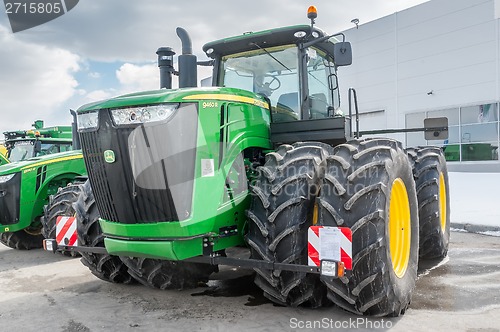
point(267, 88)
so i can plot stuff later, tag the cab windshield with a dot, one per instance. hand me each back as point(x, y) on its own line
point(275, 73)
point(22, 150)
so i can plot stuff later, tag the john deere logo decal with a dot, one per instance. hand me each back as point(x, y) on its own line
point(109, 156)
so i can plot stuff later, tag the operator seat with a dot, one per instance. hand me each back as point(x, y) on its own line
point(319, 106)
point(287, 108)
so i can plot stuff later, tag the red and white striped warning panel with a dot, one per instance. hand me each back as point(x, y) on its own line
point(330, 243)
point(66, 231)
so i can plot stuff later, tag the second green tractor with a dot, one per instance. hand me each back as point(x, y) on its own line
point(40, 162)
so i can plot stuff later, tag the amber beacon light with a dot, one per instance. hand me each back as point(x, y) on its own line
point(312, 12)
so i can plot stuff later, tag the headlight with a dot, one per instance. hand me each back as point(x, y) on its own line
point(143, 114)
point(6, 178)
point(88, 120)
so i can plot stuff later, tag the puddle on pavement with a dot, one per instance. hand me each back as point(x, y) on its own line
point(236, 287)
point(464, 280)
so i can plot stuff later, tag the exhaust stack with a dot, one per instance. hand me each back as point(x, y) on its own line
point(188, 70)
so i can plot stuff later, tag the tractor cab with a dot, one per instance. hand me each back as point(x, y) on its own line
point(294, 68)
point(25, 144)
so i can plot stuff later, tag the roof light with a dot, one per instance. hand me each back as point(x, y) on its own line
point(300, 34)
point(312, 12)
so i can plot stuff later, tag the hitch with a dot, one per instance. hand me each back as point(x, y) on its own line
point(51, 245)
point(328, 269)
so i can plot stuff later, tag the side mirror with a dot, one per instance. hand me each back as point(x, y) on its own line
point(342, 53)
point(37, 147)
point(436, 128)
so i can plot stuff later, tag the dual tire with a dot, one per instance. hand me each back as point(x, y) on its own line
point(24, 239)
point(163, 274)
point(432, 184)
point(366, 185)
point(106, 267)
point(60, 204)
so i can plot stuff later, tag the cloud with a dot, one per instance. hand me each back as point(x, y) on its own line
point(35, 80)
point(138, 77)
point(97, 95)
point(113, 31)
point(94, 75)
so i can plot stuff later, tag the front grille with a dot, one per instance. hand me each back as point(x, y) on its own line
point(94, 160)
point(148, 197)
point(9, 200)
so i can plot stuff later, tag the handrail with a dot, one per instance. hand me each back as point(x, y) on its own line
point(352, 93)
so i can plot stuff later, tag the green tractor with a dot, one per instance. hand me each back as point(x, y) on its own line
point(3, 155)
point(265, 162)
point(24, 144)
point(41, 162)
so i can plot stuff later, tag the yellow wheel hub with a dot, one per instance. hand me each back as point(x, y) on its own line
point(399, 227)
point(442, 202)
point(315, 214)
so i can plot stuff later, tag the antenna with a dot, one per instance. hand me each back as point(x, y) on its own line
point(355, 21)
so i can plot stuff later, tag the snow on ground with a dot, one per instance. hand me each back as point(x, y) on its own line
point(475, 198)
point(491, 233)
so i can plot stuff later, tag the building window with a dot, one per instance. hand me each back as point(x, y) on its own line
point(479, 114)
point(473, 132)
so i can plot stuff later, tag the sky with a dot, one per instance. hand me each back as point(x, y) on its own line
point(102, 49)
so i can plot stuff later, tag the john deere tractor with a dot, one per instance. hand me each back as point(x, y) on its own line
point(263, 160)
point(42, 161)
point(39, 141)
point(3, 154)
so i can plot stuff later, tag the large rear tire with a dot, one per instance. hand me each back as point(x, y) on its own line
point(431, 178)
point(60, 204)
point(281, 211)
point(25, 239)
point(163, 274)
point(369, 188)
point(105, 267)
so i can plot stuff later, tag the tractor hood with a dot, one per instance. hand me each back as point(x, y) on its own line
point(176, 96)
point(152, 157)
point(39, 161)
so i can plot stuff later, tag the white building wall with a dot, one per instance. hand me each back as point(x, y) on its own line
point(448, 47)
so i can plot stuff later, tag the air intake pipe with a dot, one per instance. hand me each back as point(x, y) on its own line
point(187, 61)
point(166, 65)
